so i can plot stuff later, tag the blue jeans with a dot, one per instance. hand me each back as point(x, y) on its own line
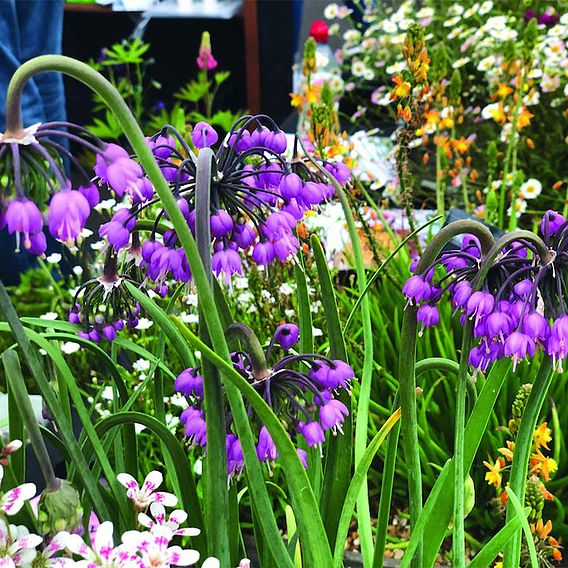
point(29, 28)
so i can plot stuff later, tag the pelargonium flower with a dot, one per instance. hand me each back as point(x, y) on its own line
point(300, 388)
point(518, 308)
point(147, 494)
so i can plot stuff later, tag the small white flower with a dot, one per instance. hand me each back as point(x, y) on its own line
point(53, 258)
point(451, 22)
point(188, 317)
point(520, 208)
point(396, 68)
point(390, 27)
point(105, 205)
point(330, 11)
point(531, 188)
point(98, 245)
point(317, 332)
point(358, 68)
point(460, 62)
point(351, 36)
point(141, 365)
point(86, 233)
point(143, 496)
point(425, 12)
point(485, 7)
point(173, 521)
point(144, 323)
point(17, 547)
point(49, 316)
point(77, 270)
point(486, 63)
point(70, 347)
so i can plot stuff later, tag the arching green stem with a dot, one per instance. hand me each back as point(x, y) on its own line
point(216, 497)
point(407, 365)
point(241, 332)
point(361, 425)
point(313, 538)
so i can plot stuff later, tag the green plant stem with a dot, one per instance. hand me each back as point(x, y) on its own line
point(511, 148)
point(362, 421)
point(407, 363)
point(216, 496)
point(458, 548)
point(440, 201)
point(523, 445)
point(20, 394)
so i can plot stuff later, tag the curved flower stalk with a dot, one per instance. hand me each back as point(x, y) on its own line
point(511, 299)
point(407, 378)
point(315, 547)
point(300, 388)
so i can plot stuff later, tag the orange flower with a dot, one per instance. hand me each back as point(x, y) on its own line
point(503, 91)
point(461, 145)
point(543, 466)
point(402, 88)
point(524, 118)
point(404, 113)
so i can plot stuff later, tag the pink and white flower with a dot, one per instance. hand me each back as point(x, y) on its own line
point(153, 550)
point(173, 521)
point(13, 500)
point(17, 546)
point(103, 553)
point(147, 494)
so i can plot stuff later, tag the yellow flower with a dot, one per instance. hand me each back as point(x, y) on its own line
point(493, 476)
point(542, 435)
point(508, 451)
point(524, 118)
point(503, 91)
point(402, 88)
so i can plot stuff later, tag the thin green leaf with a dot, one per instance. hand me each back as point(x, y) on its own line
point(490, 551)
point(514, 500)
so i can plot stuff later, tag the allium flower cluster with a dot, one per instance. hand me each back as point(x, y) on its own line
point(300, 388)
point(33, 162)
point(257, 197)
point(518, 308)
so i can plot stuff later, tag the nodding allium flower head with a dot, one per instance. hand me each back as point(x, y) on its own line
point(300, 388)
point(102, 306)
point(257, 196)
point(517, 308)
point(34, 163)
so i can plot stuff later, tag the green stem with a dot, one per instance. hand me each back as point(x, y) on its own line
point(407, 364)
point(20, 394)
point(523, 446)
point(440, 202)
point(315, 546)
point(216, 505)
point(458, 550)
point(362, 422)
point(511, 146)
point(241, 332)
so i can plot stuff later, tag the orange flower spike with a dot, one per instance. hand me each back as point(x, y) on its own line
point(404, 113)
point(508, 451)
point(524, 118)
point(503, 91)
point(557, 555)
point(402, 88)
point(542, 435)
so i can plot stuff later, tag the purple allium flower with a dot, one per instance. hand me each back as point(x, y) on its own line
point(115, 167)
point(228, 262)
point(38, 244)
point(91, 193)
point(204, 135)
point(498, 325)
point(68, 213)
point(517, 346)
point(536, 327)
point(286, 335)
point(189, 383)
point(162, 146)
point(290, 186)
point(265, 449)
point(221, 224)
point(339, 171)
point(415, 288)
point(428, 315)
point(193, 420)
point(24, 219)
point(551, 223)
point(480, 304)
point(529, 14)
point(313, 433)
point(235, 457)
point(523, 288)
point(332, 415)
